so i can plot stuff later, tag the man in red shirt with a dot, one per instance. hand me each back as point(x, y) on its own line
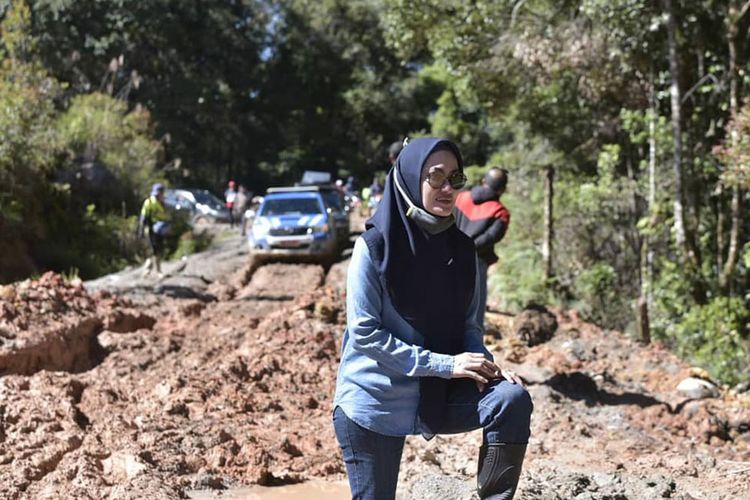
point(480, 214)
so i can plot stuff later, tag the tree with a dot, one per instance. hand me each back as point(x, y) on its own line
point(100, 133)
point(251, 89)
point(28, 143)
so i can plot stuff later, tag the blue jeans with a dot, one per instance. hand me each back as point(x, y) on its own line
point(372, 460)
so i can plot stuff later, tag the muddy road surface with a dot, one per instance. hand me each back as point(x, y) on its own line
point(216, 382)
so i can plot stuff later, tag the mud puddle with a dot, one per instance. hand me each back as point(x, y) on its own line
point(310, 490)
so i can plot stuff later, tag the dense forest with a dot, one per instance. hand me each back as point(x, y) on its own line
point(622, 122)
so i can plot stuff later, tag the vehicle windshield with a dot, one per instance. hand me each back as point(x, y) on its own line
point(291, 206)
point(207, 198)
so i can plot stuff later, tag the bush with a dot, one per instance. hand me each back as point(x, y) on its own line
point(517, 279)
point(92, 243)
point(716, 337)
point(599, 297)
point(191, 242)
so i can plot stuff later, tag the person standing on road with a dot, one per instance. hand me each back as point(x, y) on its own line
point(155, 220)
point(412, 356)
point(230, 196)
point(481, 215)
point(240, 205)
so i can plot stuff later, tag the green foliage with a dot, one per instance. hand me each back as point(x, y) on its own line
point(670, 294)
point(598, 297)
point(28, 143)
point(98, 243)
point(716, 336)
point(55, 222)
point(599, 265)
point(191, 242)
point(97, 127)
point(474, 174)
point(517, 279)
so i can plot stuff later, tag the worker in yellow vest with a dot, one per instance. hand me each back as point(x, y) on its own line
point(155, 219)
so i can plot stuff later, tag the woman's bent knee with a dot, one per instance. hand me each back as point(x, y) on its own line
point(511, 398)
point(509, 414)
point(521, 400)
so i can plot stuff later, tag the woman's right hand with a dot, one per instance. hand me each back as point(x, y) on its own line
point(475, 366)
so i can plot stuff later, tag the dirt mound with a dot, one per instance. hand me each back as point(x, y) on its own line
point(32, 305)
point(535, 325)
point(224, 395)
point(52, 324)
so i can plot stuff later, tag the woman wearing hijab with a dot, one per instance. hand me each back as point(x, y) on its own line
point(412, 359)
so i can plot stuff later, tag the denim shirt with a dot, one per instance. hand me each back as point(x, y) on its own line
point(382, 355)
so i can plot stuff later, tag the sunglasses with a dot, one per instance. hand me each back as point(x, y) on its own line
point(437, 179)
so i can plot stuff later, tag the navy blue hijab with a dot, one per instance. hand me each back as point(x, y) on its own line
point(428, 277)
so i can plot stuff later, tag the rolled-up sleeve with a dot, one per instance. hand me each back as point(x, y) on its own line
point(364, 309)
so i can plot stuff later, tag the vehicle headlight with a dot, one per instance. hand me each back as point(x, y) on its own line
point(318, 229)
point(260, 228)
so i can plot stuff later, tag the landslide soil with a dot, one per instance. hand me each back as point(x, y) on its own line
point(176, 395)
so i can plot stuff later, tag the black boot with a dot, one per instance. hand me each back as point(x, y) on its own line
point(499, 470)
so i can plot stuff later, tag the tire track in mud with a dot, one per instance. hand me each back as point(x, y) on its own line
point(282, 282)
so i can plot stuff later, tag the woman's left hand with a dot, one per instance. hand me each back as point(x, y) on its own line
point(511, 377)
point(508, 375)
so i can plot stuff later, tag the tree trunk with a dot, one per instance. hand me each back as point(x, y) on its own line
point(549, 233)
point(676, 106)
point(641, 249)
point(685, 241)
point(647, 283)
point(644, 325)
point(725, 280)
point(647, 252)
point(720, 244)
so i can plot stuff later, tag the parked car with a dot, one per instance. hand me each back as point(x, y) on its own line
point(295, 222)
point(199, 205)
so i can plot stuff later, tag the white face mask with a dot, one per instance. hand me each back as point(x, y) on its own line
point(424, 219)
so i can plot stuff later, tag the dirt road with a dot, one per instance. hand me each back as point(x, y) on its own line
point(220, 377)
